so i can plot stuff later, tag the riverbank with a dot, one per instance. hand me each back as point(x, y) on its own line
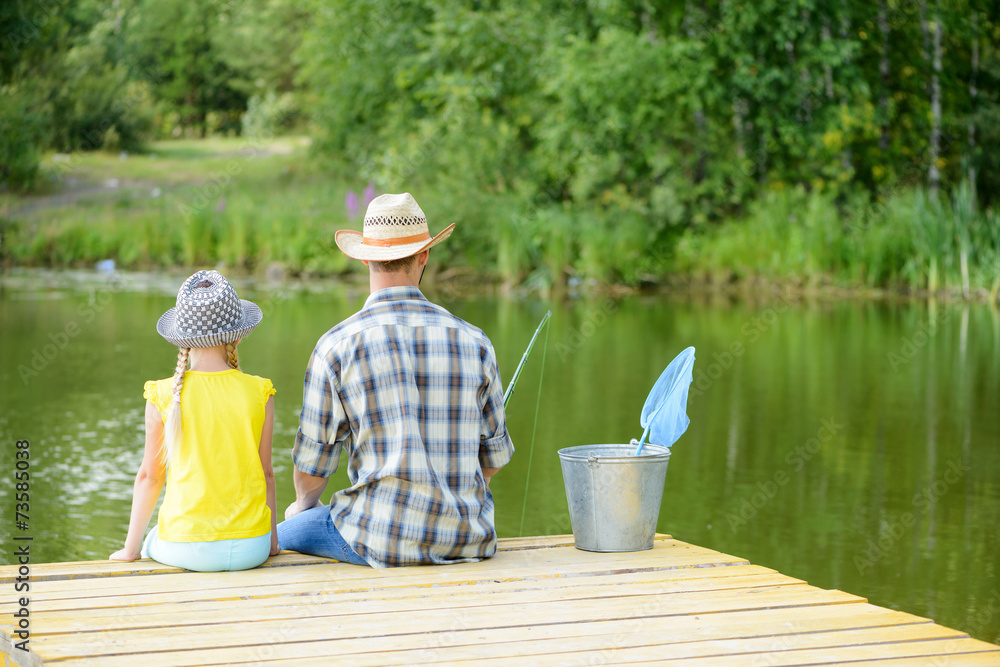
point(449, 285)
point(267, 209)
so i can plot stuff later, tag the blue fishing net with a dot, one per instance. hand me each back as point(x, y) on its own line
point(664, 416)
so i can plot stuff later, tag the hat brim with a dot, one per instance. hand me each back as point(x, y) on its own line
point(167, 327)
point(352, 244)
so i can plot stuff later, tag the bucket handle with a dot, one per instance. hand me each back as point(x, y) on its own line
point(593, 460)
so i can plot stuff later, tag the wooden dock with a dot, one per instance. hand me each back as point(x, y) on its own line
point(540, 601)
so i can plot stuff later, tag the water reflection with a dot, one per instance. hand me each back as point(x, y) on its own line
point(850, 444)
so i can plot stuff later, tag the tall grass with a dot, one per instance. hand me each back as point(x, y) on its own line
point(249, 223)
point(908, 241)
point(284, 210)
point(546, 247)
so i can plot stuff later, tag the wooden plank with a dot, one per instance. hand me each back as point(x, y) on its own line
point(501, 568)
point(422, 645)
point(109, 568)
point(943, 650)
point(521, 557)
point(642, 643)
point(91, 595)
point(540, 609)
point(20, 658)
point(985, 659)
point(299, 601)
point(382, 617)
point(419, 586)
point(106, 568)
point(546, 541)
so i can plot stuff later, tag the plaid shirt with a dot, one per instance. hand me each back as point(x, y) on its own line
point(413, 394)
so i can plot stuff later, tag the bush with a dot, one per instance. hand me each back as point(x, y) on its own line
point(20, 134)
point(267, 115)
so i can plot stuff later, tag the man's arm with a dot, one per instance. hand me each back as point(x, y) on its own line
point(495, 447)
point(308, 489)
point(322, 428)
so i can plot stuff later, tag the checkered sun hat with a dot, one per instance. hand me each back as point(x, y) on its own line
point(395, 227)
point(208, 313)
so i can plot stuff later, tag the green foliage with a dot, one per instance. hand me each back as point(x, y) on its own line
point(98, 106)
point(170, 44)
point(64, 85)
point(572, 140)
point(984, 114)
point(267, 114)
point(258, 42)
point(908, 241)
point(639, 122)
point(21, 130)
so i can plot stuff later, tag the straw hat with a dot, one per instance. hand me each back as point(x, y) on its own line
point(394, 228)
point(208, 313)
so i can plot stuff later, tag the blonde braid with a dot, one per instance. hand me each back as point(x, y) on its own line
point(173, 431)
point(234, 357)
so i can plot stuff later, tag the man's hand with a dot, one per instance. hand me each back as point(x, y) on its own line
point(488, 474)
point(295, 508)
point(308, 489)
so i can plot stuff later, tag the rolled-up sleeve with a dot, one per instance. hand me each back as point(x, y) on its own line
point(495, 447)
point(323, 425)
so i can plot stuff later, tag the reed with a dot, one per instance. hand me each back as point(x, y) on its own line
point(907, 241)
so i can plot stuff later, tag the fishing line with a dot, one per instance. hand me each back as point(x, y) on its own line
point(531, 448)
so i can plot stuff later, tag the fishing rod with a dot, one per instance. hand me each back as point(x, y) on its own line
point(517, 372)
point(534, 428)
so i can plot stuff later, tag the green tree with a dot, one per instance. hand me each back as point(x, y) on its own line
point(170, 46)
point(97, 101)
point(31, 32)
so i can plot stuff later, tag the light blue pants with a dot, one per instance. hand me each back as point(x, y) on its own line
point(221, 555)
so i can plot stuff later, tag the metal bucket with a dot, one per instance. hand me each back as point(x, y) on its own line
point(614, 496)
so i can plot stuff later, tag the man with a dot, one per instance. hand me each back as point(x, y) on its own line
point(413, 395)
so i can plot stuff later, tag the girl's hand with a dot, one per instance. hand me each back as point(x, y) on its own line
point(123, 554)
point(275, 550)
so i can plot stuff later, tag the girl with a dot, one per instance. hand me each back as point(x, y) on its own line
point(208, 433)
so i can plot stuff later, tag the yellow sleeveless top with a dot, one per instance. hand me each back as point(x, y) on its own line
point(215, 482)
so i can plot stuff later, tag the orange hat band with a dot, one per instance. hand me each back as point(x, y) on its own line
point(402, 240)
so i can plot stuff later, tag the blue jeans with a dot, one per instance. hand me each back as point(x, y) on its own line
point(217, 556)
point(312, 532)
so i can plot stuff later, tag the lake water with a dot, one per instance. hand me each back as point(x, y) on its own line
point(852, 444)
